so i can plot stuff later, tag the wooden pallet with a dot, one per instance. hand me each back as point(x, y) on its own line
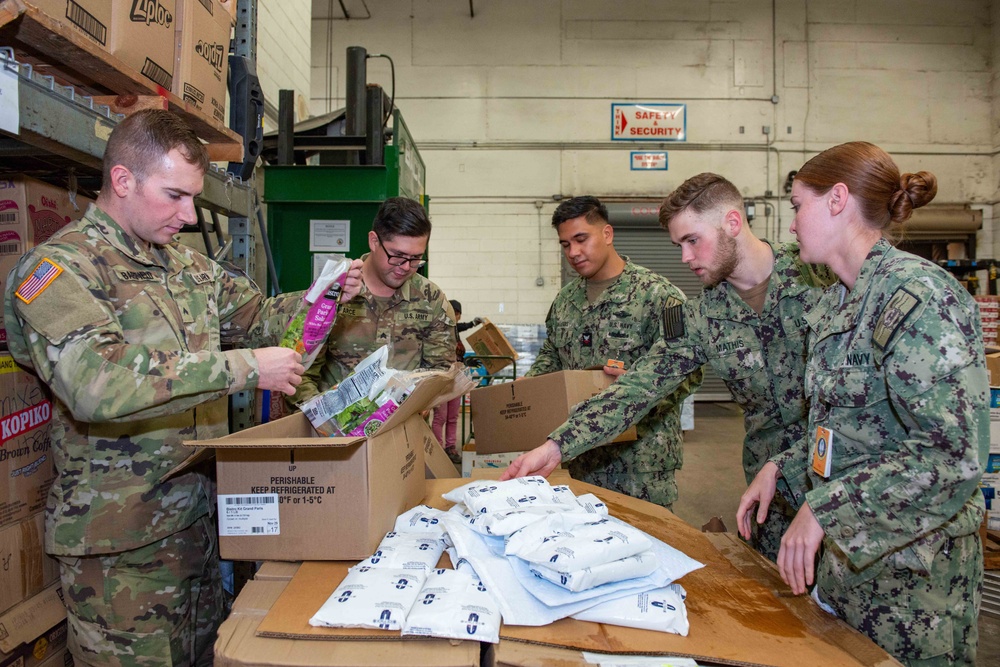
point(991, 549)
point(74, 60)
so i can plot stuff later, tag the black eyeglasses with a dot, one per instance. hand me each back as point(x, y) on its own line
point(400, 260)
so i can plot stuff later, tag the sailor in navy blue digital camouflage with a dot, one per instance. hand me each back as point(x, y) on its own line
point(396, 307)
point(612, 311)
point(748, 325)
point(898, 422)
point(126, 329)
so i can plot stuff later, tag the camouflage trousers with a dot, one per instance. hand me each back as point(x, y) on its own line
point(766, 537)
point(924, 619)
point(659, 487)
point(157, 605)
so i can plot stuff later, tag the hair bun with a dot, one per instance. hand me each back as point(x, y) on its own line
point(915, 190)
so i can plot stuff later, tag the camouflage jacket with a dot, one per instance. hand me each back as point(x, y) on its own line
point(761, 358)
point(129, 339)
point(622, 324)
point(418, 324)
point(897, 372)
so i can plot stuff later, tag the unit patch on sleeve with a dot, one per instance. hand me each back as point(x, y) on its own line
point(40, 278)
point(901, 303)
point(673, 319)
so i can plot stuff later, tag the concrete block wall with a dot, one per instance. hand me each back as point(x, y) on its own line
point(512, 108)
point(284, 52)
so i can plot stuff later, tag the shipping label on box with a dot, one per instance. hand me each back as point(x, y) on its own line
point(202, 48)
point(25, 568)
point(91, 17)
point(518, 416)
point(25, 443)
point(142, 37)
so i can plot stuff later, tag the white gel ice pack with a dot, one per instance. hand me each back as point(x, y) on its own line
point(371, 597)
point(576, 540)
point(407, 551)
point(662, 610)
point(454, 605)
point(632, 567)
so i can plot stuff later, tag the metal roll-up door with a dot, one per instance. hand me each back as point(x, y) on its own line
point(651, 248)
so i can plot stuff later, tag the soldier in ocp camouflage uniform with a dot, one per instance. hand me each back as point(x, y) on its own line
point(126, 327)
point(612, 312)
point(899, 413)
point(754, 339)
point(396, 306)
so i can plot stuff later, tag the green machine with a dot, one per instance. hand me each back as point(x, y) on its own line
point(317, 209)
point(357, 157)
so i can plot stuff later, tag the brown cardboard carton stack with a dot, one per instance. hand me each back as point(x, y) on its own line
point(32, 617)
point(285, 493)
point(30, 212)
point(989, 316)
point(142, 37)
point(202, 49)
point(34, 631)
point(518, 416)
point(90, 17)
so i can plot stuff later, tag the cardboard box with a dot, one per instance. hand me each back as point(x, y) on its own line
point(142, 37)
point(26, 569)
point(488, 340)
point(26, 470)
point(33, 630)
point(238, 644)
point(269, 406)
point(518, 416)
point(473, 461)
point(30, 212)
point(90, 17)
point(287, 494)
point(276, 571)
point(202, 48)
point(993, 368)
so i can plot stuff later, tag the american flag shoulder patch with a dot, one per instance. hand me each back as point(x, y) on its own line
point(40, 278)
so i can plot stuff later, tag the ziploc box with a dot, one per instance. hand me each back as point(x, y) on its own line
point(142, 37)
point(30, 212)
point(202, 49)
point(91, 17)
point(26, 470)
point(518, 416)
point(285, 493)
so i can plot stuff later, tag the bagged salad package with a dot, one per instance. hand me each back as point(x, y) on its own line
point(312, 322)
point(361, 403)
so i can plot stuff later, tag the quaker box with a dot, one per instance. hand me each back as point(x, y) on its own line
point(30, 212)
point(202, 49)
point(518, 416)
point(285, 493)
point(91, 17)
point(26, 471)
point(487, 340)
point(142, 37)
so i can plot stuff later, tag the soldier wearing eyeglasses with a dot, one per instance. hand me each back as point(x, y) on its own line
point(396, 306)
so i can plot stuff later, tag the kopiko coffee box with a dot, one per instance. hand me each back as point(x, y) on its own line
point(26, 470)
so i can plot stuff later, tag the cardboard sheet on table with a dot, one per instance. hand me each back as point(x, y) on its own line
point(739, 610)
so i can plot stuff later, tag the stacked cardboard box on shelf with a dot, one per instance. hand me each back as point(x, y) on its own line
point(991, 477)
point(90, 17)
point(202, 50)
point(30, 212)
point(142, 37)
point(32, 616)
point(989, 315)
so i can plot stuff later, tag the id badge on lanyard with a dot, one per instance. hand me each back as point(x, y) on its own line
point(822, 451)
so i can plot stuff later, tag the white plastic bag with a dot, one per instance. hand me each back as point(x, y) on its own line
point(371, 597)
point(576, 540)
point(454, 605)
point(407, 551)
point(662, 610)
point(632, 567)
